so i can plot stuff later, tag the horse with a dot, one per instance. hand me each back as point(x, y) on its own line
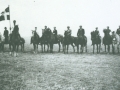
point(44, 42)
point(68, 40)
point(81, 40)
point(22, 43)
point(115, 41)
point(35, 40)
point(14, 41)
point(50, 39)
point(96, 40)
point(107, 39)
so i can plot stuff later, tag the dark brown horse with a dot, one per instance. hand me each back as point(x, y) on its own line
point(22, 43)
point(68, 40)
point(107, 39)
point(35, 40)
point(96, 40)
point(54, 41)
point(43, 42)
point(81, 40)
point(49, 39)
point(14, 40)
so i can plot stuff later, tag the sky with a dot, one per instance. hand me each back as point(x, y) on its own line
point(60, 14)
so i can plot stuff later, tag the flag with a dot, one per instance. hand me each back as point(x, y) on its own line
point(8, 17)
point(7, 9)
point(2, 18)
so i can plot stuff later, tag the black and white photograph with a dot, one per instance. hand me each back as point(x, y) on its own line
point(59, 44)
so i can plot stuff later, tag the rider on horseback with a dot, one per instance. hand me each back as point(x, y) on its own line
point(55, 33)
point(81, 32)
point(107, 35)
point(6, 33)
point(34, 32)
point(97, 31)
point(118, 31)
point(68, 32)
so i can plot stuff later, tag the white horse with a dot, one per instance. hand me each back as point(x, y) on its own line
point(115, 41)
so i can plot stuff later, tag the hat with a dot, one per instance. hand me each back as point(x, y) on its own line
point(80, 26)
point(5, 27)
point(96, 27)
point(68, 26)
point(54, 27)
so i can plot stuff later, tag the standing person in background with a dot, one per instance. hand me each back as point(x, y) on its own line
point(6, 33)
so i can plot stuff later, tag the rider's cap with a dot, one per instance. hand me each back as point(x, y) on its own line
point(80, 26)
point(68, 26)
point(96, 27)
point(5, 27)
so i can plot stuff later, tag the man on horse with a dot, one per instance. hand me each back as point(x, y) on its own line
point(107, 39)
point(6, 33)
point(118, 31)
point(34, 32)
point(55, 33)
point(97, 32)
point(68, 33)
point(81, 31)
point(44, 30)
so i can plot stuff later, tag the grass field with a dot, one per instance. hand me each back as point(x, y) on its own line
point(58, 71)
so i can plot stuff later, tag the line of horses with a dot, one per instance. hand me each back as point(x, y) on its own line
point(49, 40)
point(64, 41)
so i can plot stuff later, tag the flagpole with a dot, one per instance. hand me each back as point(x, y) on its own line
point(10, 18)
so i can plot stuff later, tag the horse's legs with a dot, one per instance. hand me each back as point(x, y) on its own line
point(47, 47)
point(23, 46)
point(93, 48)
point(108, 48)
point(51, 48)
point(64, 48)
point(118, 47)
point(105, 48)
point(67, 48)
point(82, 48)
point(113, 48)
point(2, 47)
point(42, 47)
point(59, 46)
point(97, 47)
point(73, 47)
point(86, 47)
point(34, 47)
point(78, 48)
